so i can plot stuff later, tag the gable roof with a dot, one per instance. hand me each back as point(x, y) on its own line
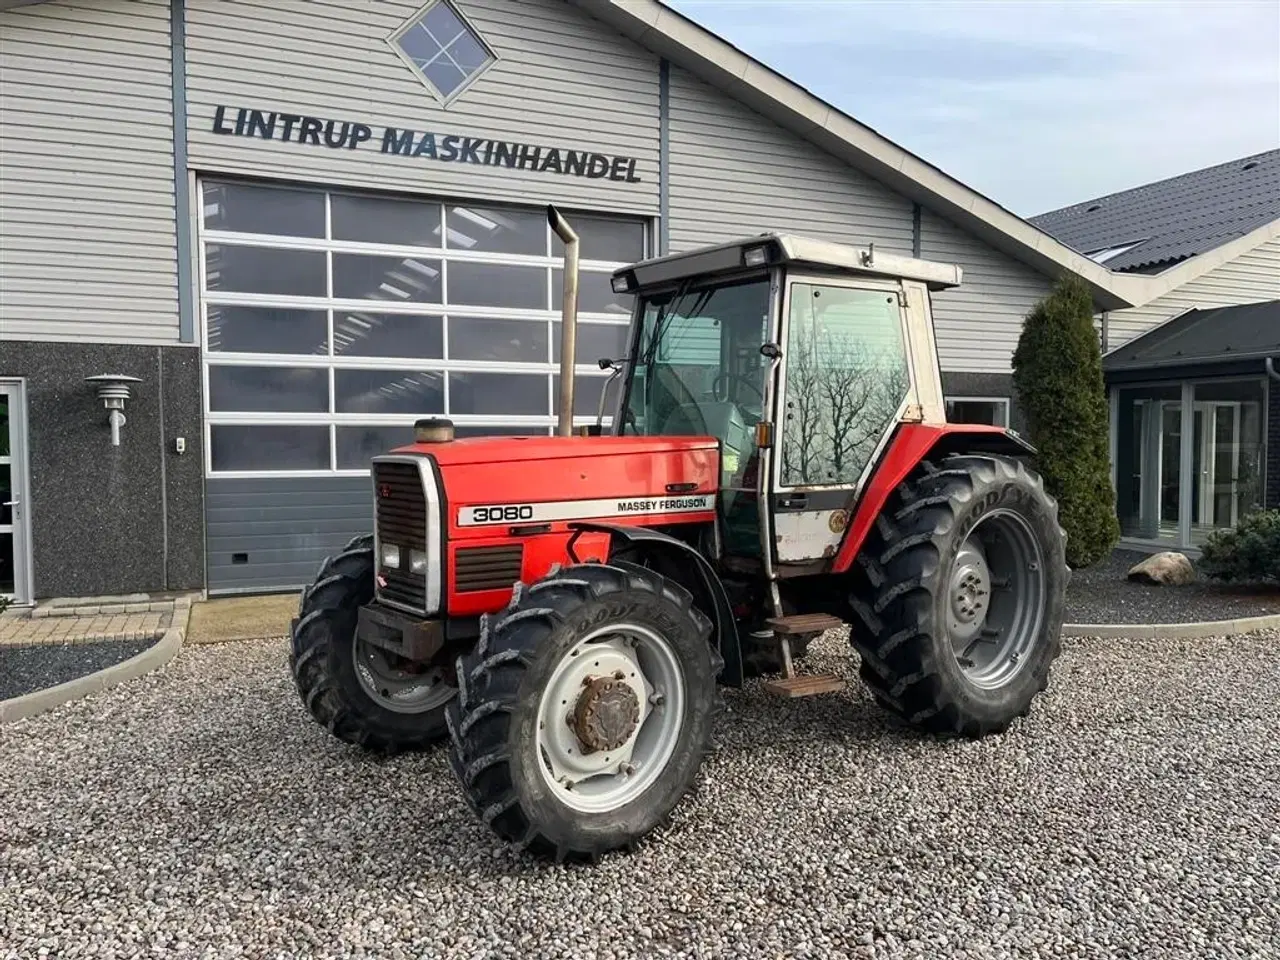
point(1160, 224)
point(1250, 331)
point(711, 58)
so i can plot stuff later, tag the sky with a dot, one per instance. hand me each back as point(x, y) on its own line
point(1035, 103)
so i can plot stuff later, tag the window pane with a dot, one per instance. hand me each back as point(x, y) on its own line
point(586, 394)
point(468, 54)
point(388, 391)
point(846, 377)
point(444, 75)
point(276, 447)
point(298, 273)
point(249, 208)
point(358, 445)
point(358, 334)
point(359, 276)
point(461, 432)
point(268, 389)
point(595, 294)
point(498, 393)
point(505, 340)
point(8, 574)
point(987, 412)
point(4, 426)
point(595, 341)
point(442, 24)
point(237, 329)
point(410, 223)
point(496, 230)
point(605, 238)
point(6, 493)
point(492, 285)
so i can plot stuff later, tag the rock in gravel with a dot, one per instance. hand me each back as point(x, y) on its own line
point(1165, 569)
point(198, 812)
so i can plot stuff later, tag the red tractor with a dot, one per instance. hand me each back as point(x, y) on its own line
point(562, 610)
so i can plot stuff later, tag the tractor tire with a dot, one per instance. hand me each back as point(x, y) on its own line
point(323, 659)
point(566, 763)
point(959, 594)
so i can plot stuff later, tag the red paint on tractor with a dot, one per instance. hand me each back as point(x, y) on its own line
point(910, 445)
point(497, 471)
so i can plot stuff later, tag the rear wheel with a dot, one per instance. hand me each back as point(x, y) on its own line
point(961, 587)
point(585, 711)
point(361, 693)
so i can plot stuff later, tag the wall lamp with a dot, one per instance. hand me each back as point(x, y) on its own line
point(113, 391)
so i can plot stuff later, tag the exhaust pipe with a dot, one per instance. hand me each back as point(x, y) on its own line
point(568, 320)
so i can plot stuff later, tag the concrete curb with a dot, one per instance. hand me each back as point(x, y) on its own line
point(154, 657)
point(1171, 631)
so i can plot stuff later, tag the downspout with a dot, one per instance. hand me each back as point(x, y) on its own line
point(1272, 372)
point(568, 319)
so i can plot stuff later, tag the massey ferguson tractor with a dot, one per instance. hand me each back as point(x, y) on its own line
point(562, 610)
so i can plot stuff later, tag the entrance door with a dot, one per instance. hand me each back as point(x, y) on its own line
point(846, 378)
point(15, 567)
point(1218, 461)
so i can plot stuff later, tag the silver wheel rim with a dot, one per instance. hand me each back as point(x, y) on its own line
point(638, 663)
point(397, 689)
point(995, 599)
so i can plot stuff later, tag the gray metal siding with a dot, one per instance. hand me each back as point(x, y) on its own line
point(1250, 278)
point(561, 80)
point(735, 173)
point(979, 322)
point(284, 526)
point(87, 235)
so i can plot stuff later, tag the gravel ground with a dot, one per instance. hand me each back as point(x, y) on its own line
point(1101, 594)
point(196, 812)
point(26, 669)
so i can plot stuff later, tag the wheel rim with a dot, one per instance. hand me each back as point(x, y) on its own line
point(610, 717)
point(395, 688)
point(995, 599)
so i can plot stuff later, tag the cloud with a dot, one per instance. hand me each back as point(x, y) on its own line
point(1035, 104)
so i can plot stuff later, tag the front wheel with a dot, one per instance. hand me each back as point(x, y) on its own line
point(361, 693)
point(961, 587)
point(585, 711)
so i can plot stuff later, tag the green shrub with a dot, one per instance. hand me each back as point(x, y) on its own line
point(1057, 372)
point(4, 603)
point(1249, 553)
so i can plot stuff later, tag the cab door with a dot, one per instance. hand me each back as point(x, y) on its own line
point(845, 382)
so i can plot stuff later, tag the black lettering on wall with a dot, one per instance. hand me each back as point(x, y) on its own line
point(397, 141)
point(349, 135)
point(310, 131)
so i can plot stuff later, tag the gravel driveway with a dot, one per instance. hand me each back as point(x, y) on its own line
point(197, 812)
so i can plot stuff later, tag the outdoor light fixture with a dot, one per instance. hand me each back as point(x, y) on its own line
point(113, 391)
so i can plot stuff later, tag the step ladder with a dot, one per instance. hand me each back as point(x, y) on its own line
point(793, 684)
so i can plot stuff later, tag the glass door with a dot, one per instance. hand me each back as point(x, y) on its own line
point(14, 539)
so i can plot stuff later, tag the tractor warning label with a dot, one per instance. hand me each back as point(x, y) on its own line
point(483, 514)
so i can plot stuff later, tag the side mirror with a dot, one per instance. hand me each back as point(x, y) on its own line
point(771, 350)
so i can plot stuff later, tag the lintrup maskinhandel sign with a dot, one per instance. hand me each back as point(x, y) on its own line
point(446, 148)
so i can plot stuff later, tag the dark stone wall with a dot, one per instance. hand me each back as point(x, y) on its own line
point(986, 385)
point(112, 520)
point(1273, 445)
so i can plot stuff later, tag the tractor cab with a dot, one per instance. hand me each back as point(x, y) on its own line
point(798, 357)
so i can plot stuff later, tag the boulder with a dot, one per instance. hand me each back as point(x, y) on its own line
point(1167, 569)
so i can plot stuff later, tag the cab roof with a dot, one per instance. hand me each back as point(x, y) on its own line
point(785, 249)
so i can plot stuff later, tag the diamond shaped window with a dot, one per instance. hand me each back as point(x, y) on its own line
point(444, 48)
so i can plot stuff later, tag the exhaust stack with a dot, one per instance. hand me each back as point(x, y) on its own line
point(568, 320)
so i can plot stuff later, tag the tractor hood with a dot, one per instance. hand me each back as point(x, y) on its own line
point(494, 484)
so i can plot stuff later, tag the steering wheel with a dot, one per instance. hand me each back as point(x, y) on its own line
point(728, 378)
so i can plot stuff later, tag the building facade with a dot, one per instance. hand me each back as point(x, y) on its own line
point(299, 226)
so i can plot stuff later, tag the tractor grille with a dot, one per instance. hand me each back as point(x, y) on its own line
point(487, 568)
point(400, 512)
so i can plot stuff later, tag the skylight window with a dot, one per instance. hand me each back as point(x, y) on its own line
point(445, 50)
point(1110, 253)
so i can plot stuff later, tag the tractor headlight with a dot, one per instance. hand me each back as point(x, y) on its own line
point(418, 562)
point(390, 555)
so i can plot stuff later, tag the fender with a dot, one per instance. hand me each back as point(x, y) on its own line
point(726, 627)
point(912, 443)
